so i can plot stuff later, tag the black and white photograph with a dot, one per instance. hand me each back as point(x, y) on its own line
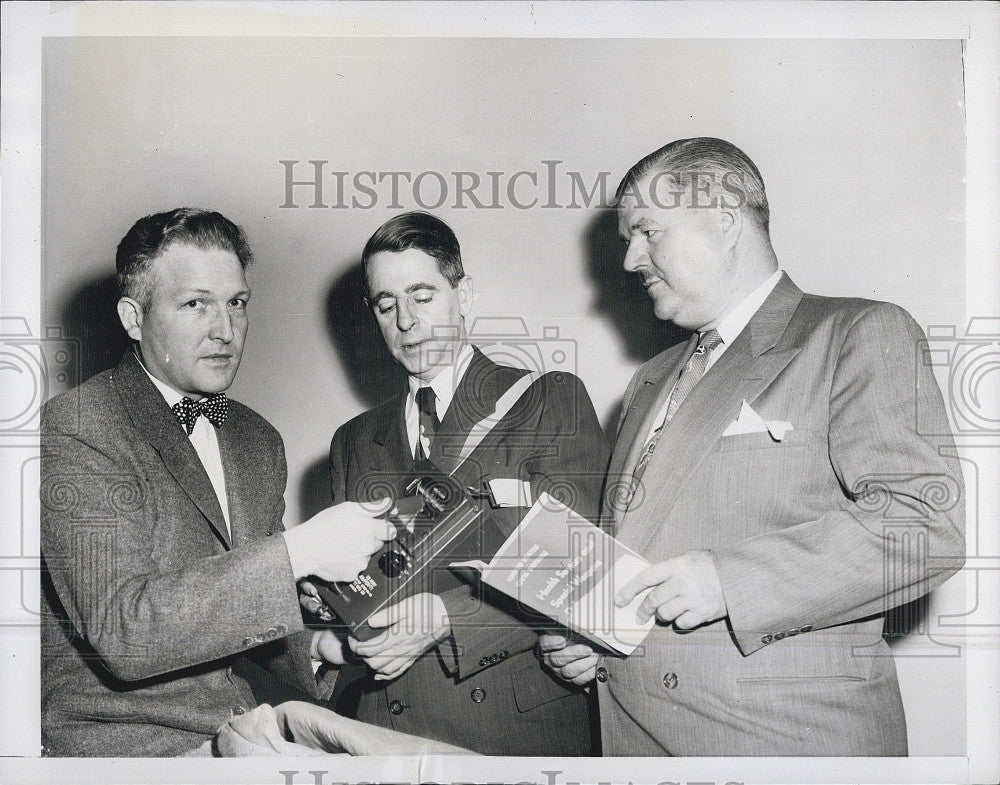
point(500, 392)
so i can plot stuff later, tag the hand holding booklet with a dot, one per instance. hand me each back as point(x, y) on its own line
point(561, 565)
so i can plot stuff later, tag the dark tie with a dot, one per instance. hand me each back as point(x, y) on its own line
point(689, 378)
point(215, 408)
point(429, 422)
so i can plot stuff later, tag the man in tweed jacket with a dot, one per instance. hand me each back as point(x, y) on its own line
point(166, 564)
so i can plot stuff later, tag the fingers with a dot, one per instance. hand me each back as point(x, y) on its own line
point(393, 668)
point(651, 576)
point(342, 569)
point(661, 601)
point(568, 655)
point(552, 642)
point(576, 664)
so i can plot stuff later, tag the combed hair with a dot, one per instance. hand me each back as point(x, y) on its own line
point(424, 232)
point(150, 236)
point(705, 155)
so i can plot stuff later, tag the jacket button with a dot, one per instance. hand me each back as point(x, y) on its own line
point(478, 695)
point(396, 707)
point(780, 635)
point(670, 680)
point(239, 710)
point(271, 633)
point(805, 628)
point(248, 641)
point(483, 662)
point(503, 654)
point(602, 674)
point(282, 629)
point(494, 658)
point(767, 639)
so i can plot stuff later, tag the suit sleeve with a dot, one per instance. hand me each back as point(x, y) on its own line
point(899, 531)
point(143, 619)
point(568, 460)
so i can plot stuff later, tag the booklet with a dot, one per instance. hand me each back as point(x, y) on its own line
point(561, 565)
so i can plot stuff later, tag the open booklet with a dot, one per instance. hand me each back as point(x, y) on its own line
point(559, 564)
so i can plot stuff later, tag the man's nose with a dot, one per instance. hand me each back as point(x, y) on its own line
point(222, 326)
point(405, 318)
point(634, 255)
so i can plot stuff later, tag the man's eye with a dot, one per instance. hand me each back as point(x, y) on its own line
point(650, 233)
point(238, 302)
point(192, 304)
point(423, 299)
point(385, 306)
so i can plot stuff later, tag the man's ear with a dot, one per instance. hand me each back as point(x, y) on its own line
point(465, 295)
point(731, 223)
point(130, 313)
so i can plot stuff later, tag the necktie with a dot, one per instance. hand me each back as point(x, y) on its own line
point(429, 422)
point(689, 378)
point(215, 408)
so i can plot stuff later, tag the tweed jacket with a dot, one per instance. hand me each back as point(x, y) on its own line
point(149, 604)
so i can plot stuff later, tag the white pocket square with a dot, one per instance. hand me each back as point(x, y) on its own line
point(751, 422)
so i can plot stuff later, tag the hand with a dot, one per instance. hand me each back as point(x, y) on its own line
point(573, 662)
point(412, 627)
point(336, 543)
point(327, 646)
point(310, 600)
point(687, 591)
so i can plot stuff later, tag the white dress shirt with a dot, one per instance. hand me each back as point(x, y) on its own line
point(444, 386)
point(729, 329)
point(206, 444)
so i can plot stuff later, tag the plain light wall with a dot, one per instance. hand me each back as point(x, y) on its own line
point(860, 143)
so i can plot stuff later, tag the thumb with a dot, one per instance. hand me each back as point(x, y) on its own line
point(378, 507)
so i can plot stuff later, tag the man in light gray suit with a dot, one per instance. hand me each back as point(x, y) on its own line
point(771, 471)
point(167, 567)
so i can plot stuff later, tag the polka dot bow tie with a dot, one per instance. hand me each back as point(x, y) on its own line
point(214, 407)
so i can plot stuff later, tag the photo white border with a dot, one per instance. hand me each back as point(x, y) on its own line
point(25, 24)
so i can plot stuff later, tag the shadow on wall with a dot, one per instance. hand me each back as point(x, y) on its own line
point(621, 299)
point(90, 317)
point(371, 371)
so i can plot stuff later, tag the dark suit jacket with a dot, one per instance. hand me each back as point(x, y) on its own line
point(857, 510)
point(154, 605)
point(487, 691)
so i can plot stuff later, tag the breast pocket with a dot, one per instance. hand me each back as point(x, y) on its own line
point(802, 437)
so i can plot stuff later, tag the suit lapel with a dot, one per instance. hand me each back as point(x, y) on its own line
point(743, 372)
point(391, 440)
point(645, 407)
point(242, 479)
point(475, 398)
point(153, 419)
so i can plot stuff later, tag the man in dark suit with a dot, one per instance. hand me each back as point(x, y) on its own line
point(167, 567)
point(452, 664)
point(772, 471)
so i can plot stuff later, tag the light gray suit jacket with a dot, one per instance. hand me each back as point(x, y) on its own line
point(814, 537)
point(149, 604)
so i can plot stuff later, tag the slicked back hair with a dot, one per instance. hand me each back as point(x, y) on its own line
point(706, 155)
point(424, 232)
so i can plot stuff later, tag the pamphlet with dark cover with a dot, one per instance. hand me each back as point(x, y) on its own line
point(433, 515)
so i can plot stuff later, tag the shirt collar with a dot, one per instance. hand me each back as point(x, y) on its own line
point(733, 322)
point(170, 395)
point(447, 381)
